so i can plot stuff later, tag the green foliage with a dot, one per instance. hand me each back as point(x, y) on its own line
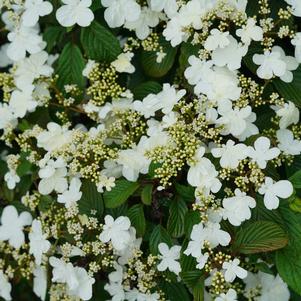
point(146, 194)
point(288, 259)
point(260, 236)
point(99, 43)
point(176, 220)
point(149, 60)
point(290, 91)
point(146, 88)
point(136, 215)
point(53, 35)
point(91, 200)
point(70, 66)
point(120, 193)
point(159, 234)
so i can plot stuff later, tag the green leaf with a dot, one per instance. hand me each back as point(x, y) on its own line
point(195, 281)
point(147, 194)
point(70, 66)
point(150, 65)
point(158, 235)
point(91, 199)
point(295, 204)
point(52, 36)
point(136, 215)
point(45, 203)
point(120, 193)
point(191, 218)
point(176, 220)
point(99, 43)
point(186, 192)
point(295, 179)
point(187, 50)
point(290, 91)
point(146, 88)
point(176, 291)
point(260, 236)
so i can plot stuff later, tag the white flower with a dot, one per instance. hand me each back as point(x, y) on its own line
point(233, 270)
point(174, 31)
point(38, 242)
point(72, 195)
point(273, 190)
point(273, 288)
point(202, 174)
point(217, 83)
point(215, 235)
point(40, 282)
point(230, 55)
point(296, 41)
point(231, 295)
point(133, 162)
point(165, 101)
point(237, 208)
point(289, 114)
point(79, 283)
point(275, 63)
point(123, 63)
point(53, 177)
point(119, 11)
point(210, 233)
point(296, 7)
point(250, 32)
point(127, 253)
point(261, 153)
point(4, 59)
point(115, 287)
point(230, 154)
point(217, 39)
point(234, 120)
point(31, 68)
point(83, 289)
point(142, 25)
point(11, 178)
point(35, 9)
point(5, 287)
point(75, 12)
point(116, 231)
point(88, 68)
point(54, 137)
point(170, 7)
point(12, 225)
point(24, 39)
point(287, 144)
point(22, 102)
point(169, 257)
point(7, 118)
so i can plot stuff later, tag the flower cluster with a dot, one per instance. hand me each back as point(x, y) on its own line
point(150, 150)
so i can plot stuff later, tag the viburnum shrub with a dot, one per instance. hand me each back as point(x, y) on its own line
point(150, 150)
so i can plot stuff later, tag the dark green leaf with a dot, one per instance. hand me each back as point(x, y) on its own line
point(149, 60)
point(158, 235)
point(52, 36)
point(147, 194)
point(191, 218)
point(120, 193)
point(70, 66)
point(260, 236)
point(186, 192)
point(91, 199)
point(295, 179)
point(176, 292)
point(176, 220)
point(99, 43)
point(136, 215)
point(146, 88)
point(290, 91)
